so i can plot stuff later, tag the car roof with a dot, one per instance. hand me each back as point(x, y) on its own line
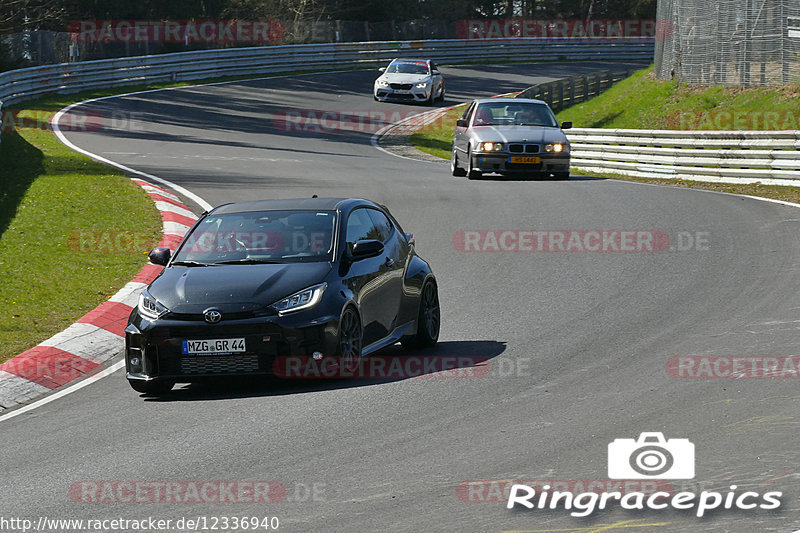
point(515, 100)
point(410, 59)
point(291, 203)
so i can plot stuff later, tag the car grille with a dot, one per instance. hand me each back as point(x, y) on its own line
point(520, 148)
point(228, 364)
point(400, 86)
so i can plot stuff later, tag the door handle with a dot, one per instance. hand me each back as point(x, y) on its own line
point(389, 262)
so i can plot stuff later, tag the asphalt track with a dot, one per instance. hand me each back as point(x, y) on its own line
point(577, 342)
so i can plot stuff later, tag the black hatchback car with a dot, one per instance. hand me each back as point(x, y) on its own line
point(252, 281)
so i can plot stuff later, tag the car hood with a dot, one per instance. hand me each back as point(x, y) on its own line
point(404, 78)
point(511, 134)
point(233, 288)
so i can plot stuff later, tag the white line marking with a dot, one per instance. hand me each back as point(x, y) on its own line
point(63, 392)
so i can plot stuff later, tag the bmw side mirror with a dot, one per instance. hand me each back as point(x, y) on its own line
point(366, 248)
point(461, 123)
point(159, 256)
point(382, 69)
point(566, 125)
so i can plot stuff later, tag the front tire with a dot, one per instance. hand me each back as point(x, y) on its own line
point(456, 170)
point(428, 319)
point(350, 340)
point(561, 175)
point(151, 388)
point(471, 172)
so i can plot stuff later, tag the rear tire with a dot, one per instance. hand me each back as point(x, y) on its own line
point(456, 170)
point(428, 319)
point(151, 388)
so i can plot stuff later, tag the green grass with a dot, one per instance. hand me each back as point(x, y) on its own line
point(48, 193)
point(642, 102)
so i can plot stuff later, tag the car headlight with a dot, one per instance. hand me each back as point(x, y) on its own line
point(422, 85)
point(556, 147)
point(491, 147)
point(149, 307)
point(381, 83)
point(300, 300)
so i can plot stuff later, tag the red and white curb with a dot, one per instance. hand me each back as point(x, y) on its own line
point(83, 348)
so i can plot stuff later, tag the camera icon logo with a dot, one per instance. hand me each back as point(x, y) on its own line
point(651, 457)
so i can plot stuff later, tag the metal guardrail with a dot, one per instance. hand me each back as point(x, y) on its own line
point(569, 91)
point(688, 154)
point(21, 84)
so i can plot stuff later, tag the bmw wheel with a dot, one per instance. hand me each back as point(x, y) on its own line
point(471, 172)
point(350, 336)
point(456, 170)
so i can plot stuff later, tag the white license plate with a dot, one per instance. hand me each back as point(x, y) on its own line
point(213, 346)
point(400, 91)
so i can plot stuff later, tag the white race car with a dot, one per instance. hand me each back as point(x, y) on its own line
point(410, 80)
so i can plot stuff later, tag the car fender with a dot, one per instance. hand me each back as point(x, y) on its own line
point(417, 273)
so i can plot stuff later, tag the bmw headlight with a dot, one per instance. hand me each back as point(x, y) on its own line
point(556, 147)
point(491, 147)
point(300, 300)
point(149, 307)
point(422, 85)
point(381, 83)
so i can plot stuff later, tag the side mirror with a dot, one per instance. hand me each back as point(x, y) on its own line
point(435, 72)
point(382, 69)
point(461, 123)
point(366, 248)
point(566, 125)
point(410, 238)
point(159, 256)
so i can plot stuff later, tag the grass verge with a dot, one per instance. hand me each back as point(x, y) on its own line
point(67, 226)
point(642, 102)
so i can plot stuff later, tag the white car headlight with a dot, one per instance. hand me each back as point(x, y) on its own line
point(149, 307)
point(300, 300)
point(381, 83)
point(421, 85)
point(491, 147)
point(556, 147)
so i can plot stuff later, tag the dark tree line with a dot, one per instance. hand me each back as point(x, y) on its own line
point(16, 15)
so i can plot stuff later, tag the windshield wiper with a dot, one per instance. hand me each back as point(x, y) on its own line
point(189, 263)
point(248, 261)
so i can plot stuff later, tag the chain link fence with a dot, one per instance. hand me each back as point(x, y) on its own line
point(742, 43)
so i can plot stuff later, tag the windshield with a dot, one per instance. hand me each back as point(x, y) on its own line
point(408, 67)
point(260, 236)
point(512, 113)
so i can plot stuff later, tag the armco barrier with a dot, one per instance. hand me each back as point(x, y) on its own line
point(688, 154)
point(569, 91)
point(21, 84)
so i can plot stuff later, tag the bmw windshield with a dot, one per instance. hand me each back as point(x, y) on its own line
point(260, 237)
point(408, 67)
point(514, 114)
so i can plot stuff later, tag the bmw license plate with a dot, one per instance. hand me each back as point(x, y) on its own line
point(525, 159)
point(213, 346)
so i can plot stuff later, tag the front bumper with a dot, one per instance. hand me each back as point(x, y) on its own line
point(387, 94)
point(501, 163)
point(153, 349)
